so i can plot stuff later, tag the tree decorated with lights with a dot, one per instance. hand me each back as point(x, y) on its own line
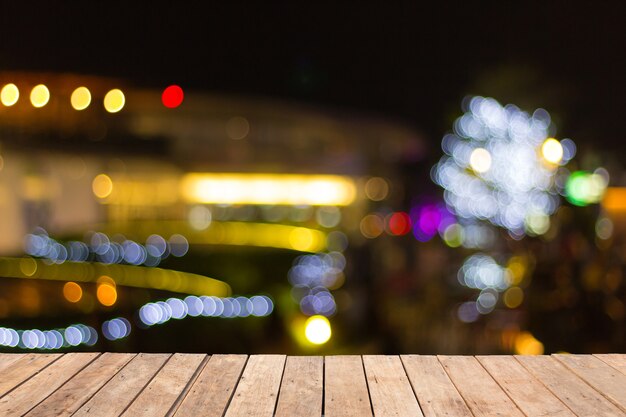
point(502, 169)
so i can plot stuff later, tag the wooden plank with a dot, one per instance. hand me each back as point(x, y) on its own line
point(119, 392)
point(211, 392)
point(23, 368)
point(573, 391)
point(71, 396)
point(165, 388)
point(389, 387)
point(606, 379)
point(616, 360)
point(258, 388)
point(345, 387)
point(435, 392)
point(531, 396)
point(7, 359)
point(301, 391)
point(32, 392)
point(481, 393)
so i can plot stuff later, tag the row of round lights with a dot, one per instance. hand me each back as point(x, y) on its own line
point(149, 315)
point(104, 249)
point(80, 99)
point(74, 335)
point(207, 306)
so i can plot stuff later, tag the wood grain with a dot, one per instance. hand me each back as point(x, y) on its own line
point(583, 400)
point(616, 360)
point(435, 392)
point(33, 391)
point(481, 393)
point(121, 390)
point(533, 398)
point(77, 391)
point(211, 392)
point(23, 368)
point(389, 387)
point(258, 388)
point(301, 391)
point(346, 391)
point(6, 359)
point(604, 378)
point(163, 391)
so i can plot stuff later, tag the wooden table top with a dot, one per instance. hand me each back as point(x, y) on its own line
point(113, 384)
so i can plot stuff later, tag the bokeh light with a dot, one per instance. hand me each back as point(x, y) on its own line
point(527, 344)
point(399, 223)
point(480, 160)
point(172, 96)
point(237, 128)
point(39, 96)
point(72, 292)
point(584, 188)
point(552, 150)
point(509, 184)
point(9, 95)
point(268, 189)
point(114, 101)
point(106, 294)
point(372, 225)
point(317, 330)
point(81, 98)
point(102, 186)
point(376, 189)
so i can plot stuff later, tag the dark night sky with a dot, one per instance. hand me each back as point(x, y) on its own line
point(405, 61)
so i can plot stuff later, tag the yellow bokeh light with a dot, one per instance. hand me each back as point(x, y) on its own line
point(114, 101)
point(81, 98)
point(72, 292)
point(480, 160)
point(106, 280)
point(39, 96)
point(9, 95)
point(517, 270)
point(301, 239)
point(317, 330)
point(527, 344)
point(537, 223)
point(376, 189)
point(372, 226)
point(28, 266)
point(552, 150)
point(513, 297)
point(268, 189)
point(102, 186)
point(107, 294)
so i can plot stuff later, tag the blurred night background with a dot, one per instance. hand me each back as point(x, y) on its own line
point(315, 178)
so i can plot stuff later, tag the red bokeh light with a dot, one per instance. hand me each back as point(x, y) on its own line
point(399, 223)
point(172, 96)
